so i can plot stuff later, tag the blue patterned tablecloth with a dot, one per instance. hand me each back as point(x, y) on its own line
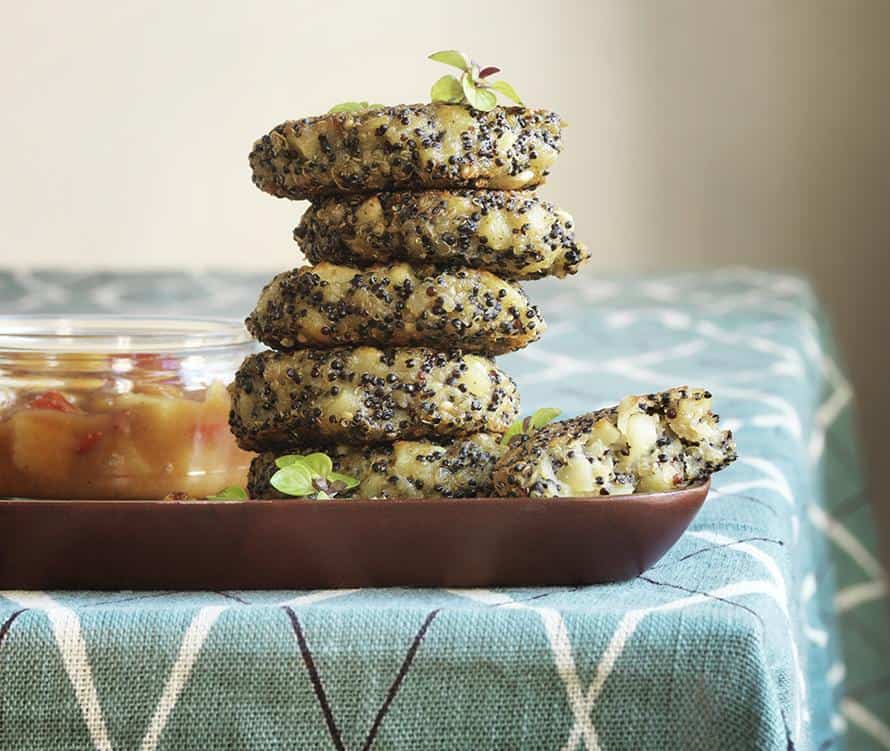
point(763, 628)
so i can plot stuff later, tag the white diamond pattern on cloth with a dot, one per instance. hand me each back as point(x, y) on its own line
point(73, 649)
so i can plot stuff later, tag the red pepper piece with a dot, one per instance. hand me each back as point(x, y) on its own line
point(89, 440)
point(52, 400)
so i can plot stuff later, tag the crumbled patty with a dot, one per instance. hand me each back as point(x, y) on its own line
point(459, 468)
point(409, 147)
point(367, 395)
point(396, 305)
point(514, 234)
point(646, 443)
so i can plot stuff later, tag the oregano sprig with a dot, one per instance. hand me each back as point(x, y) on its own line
point(310, 476)
point(528, 425)
point(473, 87)
point(231, 493)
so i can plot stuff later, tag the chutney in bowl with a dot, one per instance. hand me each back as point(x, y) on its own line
point(109, 407)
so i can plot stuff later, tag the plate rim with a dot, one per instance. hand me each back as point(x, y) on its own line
point(658, 497)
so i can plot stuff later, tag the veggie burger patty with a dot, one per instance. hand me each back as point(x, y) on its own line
point(459, 468)
point(397, 305)
point(514, 234)
point(367, 395)
point(646, 443)
point(414, 147)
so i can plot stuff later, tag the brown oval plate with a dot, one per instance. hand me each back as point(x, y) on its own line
point(306, 544)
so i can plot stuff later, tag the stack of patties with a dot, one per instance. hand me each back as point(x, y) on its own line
point(421, 223)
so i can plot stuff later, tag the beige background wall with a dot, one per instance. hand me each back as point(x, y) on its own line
point(706, 132)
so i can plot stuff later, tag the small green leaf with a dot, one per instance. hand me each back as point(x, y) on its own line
point(447, 89)
point(543, 416)
point(318, 464)
point(347, 107)
point(530, 424)
point(232, 493)
point(480, 99)
point(349, 482)
point(354, 107)
point(293, 480)
point(507, 90)
point(486, 101)
point(285, 461)
point(452, 57)
point(514, 430)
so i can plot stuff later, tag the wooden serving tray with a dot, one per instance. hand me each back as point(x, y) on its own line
point(308, 544)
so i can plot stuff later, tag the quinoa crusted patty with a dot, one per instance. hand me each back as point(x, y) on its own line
point(367, 395)
point(647, 443)
point(411, 147)
point(514, 234)
point(460, 468)
point(397, 305)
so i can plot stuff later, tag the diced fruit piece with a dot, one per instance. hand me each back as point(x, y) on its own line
point(52, 400)
point(89, 440)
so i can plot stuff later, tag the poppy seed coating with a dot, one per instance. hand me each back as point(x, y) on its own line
point(457, 468)
point(513, 234)
point(647, 443)
point(367, 395)
point(397, 305)
point(413, 147)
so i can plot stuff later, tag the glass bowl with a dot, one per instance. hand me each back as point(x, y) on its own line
point(110, 407)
